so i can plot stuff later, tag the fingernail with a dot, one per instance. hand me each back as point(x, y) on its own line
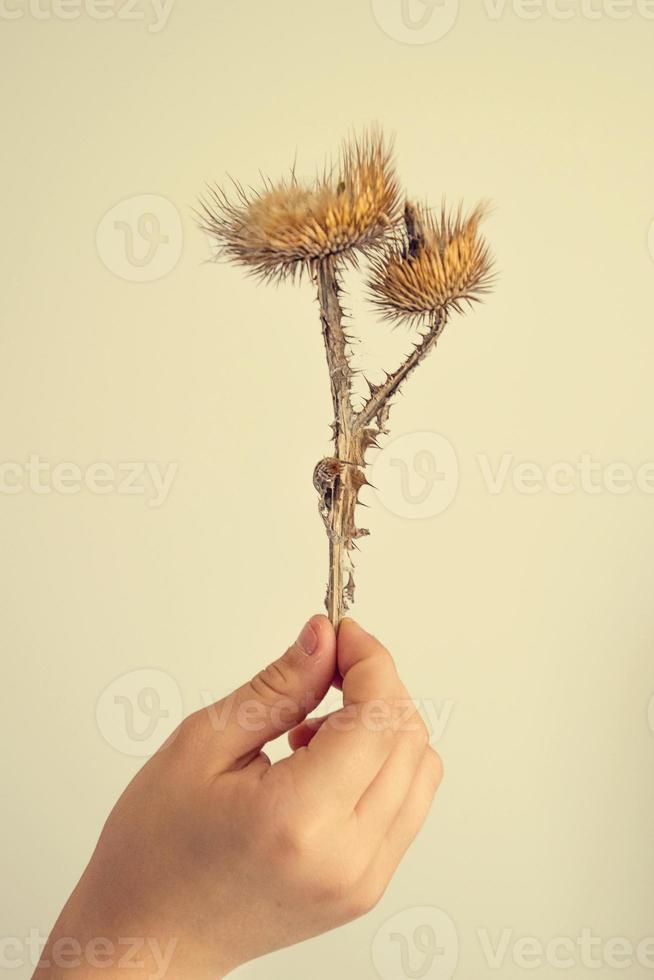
point(308, 639)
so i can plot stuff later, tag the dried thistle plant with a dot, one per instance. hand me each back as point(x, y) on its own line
point(422, 267)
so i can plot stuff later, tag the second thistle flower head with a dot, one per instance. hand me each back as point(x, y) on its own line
point(290, 226)
point(439, 262)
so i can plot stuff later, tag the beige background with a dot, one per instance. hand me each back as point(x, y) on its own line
point(523, 619)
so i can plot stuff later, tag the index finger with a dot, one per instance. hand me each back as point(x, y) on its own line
point(353, 744)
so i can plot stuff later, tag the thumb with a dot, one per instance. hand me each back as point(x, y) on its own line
point(282, 694)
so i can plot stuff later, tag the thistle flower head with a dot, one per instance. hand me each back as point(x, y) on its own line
point(290, 226)
point(437, 262)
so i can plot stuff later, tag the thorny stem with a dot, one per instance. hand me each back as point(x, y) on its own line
point(354, 433)
point(331, 315)
point(340, 519)
point(378, 404)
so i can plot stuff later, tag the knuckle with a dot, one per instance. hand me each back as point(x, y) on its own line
point(379, 667)
point(271, 683)
point(192, 729)
point(335, 887)
point(422, 733)
point(417, 728)
point(364, 900)
point(435, 765)
point(294, 840)
point(388, 734)
point(384, 661)
point(411, 725)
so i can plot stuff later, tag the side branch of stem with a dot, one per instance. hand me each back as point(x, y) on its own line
point(378, 403)
point(352, 434)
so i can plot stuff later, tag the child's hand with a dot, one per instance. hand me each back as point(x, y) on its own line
point(213, 856)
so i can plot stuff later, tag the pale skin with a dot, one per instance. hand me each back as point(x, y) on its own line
point(212, 856)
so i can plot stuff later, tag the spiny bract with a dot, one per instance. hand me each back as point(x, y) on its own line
point(289, 226)
point(437, 262)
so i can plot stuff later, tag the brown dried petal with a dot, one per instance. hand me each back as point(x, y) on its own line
point(438, 262)
point(289, 226)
